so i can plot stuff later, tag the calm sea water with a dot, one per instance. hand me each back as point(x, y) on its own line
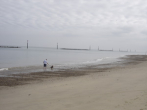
point(17, 60)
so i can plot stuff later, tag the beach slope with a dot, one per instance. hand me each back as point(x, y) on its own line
point(115, 89)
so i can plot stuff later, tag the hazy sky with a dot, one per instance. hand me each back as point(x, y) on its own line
point(75, 23)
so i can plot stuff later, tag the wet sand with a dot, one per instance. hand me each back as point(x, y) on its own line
point(120, 87)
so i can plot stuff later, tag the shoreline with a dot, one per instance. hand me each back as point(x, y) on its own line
point(28, 78)
point(6, 70)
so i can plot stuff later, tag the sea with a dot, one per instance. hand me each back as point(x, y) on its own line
point(23, 60)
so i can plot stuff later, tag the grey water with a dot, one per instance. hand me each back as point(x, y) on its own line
point(23, 60)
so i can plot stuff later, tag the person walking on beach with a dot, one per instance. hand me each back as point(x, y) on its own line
point(45, 64)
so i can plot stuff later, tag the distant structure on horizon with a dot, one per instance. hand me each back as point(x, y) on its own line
point(9, 47)
point(89, 47)
point(104, 50)
point(72, 49)
point(57, 45)
point(123, 50)
point(27, 44)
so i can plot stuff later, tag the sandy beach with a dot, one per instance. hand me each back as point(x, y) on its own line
point(118, 88)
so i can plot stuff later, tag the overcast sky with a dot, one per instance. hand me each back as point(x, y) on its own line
point(75, 23)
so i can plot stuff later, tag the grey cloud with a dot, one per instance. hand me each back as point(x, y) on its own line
point(144, 32)
point(126, 29)
point(60, 13)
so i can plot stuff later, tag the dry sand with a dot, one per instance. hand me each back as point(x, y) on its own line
point(121, 88)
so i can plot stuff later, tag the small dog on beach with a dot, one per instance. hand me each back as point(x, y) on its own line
point(52, 67)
